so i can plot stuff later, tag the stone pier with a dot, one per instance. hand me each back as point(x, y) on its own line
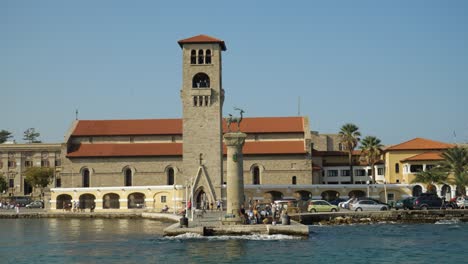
point(235, 177)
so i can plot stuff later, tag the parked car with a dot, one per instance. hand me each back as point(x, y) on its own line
point(35, 204)
point(321, 206)
point(405, 204)
point(427, 201)
point(372, 199)
point(368, 205)
point(337, 201)
point(346, 203)
point(462, 202)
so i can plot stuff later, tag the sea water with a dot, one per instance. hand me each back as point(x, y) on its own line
point(141, 241)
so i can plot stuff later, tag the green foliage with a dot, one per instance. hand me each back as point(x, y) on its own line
point(5, 135)
point(456, 162)
point(436, 175)
point(349, 137)
point(31, 135)
point(39, 177)
point(3, 183)
point(371, 150)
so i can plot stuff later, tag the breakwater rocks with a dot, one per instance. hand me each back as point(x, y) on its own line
point(410, 216)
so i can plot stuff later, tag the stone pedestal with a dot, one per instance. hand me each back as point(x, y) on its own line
point(235, 177)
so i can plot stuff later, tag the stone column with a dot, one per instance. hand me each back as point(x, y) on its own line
point(235, 177)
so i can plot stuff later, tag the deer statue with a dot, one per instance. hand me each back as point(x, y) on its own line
point(231, 119)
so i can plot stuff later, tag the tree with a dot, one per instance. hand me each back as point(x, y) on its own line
point(5, 135)
point(31, 135)
point(349, 137)
point(430, 177)
point(3, 183)
point(456, 162)
point(371, 148)
point(39, 177)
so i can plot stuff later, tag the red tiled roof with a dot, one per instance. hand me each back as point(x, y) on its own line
point(273, 147)
point(202, 39)
point(128, 127)
point(174, 126)
point(175, 149)
point(420, 144)
point(433, 155)
point(127, 150)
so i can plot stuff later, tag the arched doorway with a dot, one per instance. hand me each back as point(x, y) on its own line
point(272, 196)
point(201, 200)
point(446, 192)
point(63, 201)
point(357, 193)
point(111, 201)
point(330, 195)
point(136, 200)
point(86, 200)
point(417, 191)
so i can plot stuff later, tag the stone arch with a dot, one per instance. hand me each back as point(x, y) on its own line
point(272, 196)
point(446, 192)
point(256, 171)
point(111, 201)
point(201, 80)
point(417, 190)
point(330, 195)
point(86, 174)
point(159, 202)
point(128, 173)
point(63, 201)
point(171, 178)
point(136, 200)
point(303, 195)
point(87, 200)
point(357, 193)
point(202, 198)
point(193, 57)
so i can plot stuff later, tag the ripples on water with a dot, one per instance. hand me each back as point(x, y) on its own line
point(132, 241)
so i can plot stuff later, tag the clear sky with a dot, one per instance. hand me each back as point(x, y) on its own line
point(397, 69)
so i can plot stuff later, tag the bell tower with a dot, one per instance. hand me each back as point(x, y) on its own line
point(202, 98)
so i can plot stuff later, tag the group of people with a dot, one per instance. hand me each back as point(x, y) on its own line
point(261, 213)
point(76, 207)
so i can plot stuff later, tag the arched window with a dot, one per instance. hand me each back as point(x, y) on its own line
point(201, 80)
point(200, 56)
point(85, 175)
point(397, 168)
point(208, 57)
point(294, 180)
point(170, 176)
point(128, 177)
point(256, 175)
point(193, 57)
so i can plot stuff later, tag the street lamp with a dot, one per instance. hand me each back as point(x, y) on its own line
point(385, 190)
point(368, 196)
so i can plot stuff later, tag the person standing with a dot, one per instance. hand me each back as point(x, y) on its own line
point(17, 208)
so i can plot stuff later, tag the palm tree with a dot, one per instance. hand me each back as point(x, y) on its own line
point(430, 177)
point(371, 150)
point(349, 137)
point(456, 162)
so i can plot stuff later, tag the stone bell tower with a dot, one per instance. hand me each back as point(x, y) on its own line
point(202, 97)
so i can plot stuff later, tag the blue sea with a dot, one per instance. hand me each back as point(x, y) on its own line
point(141, 241)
